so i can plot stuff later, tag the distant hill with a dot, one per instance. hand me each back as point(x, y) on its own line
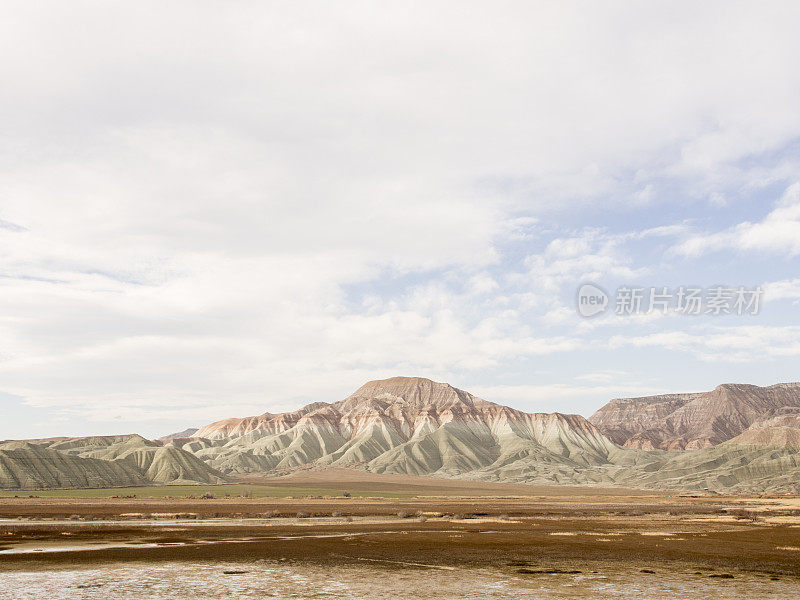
point(28, 466)
point(186, 433)
point(693, 421)
point(101, 461)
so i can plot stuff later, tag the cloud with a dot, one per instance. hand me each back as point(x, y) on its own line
point(589, 255)
point(217, 210)
point(736, 344)
point(778, 232)
point(564, 397)
point(781, 290)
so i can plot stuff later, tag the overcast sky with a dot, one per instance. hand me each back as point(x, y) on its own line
point(216, 209)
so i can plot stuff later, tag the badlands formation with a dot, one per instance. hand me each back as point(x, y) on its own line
point(694, 421)
point(734, 439)
point(99, 462)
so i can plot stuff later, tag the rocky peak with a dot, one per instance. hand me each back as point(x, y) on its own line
point(412, 392)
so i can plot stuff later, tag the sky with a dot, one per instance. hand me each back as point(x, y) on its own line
point(217, 209)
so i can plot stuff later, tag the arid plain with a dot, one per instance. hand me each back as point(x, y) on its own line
point(403, 521)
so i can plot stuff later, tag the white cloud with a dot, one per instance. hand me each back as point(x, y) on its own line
point(781, 290)
point(778, 232)
point(563, 397)
point(603, 376)
point(737, 344)
point(225, 209)
point(590, 255)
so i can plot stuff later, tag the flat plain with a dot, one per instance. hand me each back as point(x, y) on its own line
point(409, 522)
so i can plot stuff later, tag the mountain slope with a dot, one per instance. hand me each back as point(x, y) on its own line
point(758, 461)
point(100, 461)
point(406, 425)
point(415, 426)
point(27, 466)
point(745, 439)
point(692, 421)
point(158, 463)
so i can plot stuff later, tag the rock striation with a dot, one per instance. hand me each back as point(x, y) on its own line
point(737, 438)
point(99, 462)
point(412, 426)
point(693, 421)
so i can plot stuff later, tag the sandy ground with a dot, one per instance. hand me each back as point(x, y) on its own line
point(525, 529)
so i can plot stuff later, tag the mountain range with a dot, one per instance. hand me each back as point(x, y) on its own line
point(735, 438)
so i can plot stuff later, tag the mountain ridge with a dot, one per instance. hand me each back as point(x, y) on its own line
point(745, 439)
point(692, 421)
point(401, 424)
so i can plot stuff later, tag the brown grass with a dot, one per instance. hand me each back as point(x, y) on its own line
point(455, 523)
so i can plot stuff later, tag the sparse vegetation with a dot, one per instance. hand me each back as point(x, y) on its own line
point(209, 492)
point(746, 515)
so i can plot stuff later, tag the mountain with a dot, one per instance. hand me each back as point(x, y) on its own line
point(788, 416)
point(416, 426)
point(413, 426)
point(186, 433)
point(760, 460)
point(693, 421)
point(737, 438)
point(27, 466)
point(158, 463)
point(99, 462)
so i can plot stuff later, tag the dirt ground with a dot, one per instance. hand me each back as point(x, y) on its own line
point(525, 528)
